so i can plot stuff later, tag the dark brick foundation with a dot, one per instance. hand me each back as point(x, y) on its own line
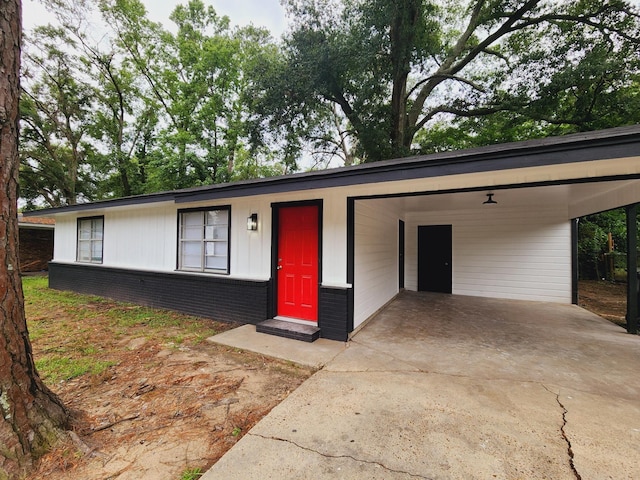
point(219, 298)
point(334, 314)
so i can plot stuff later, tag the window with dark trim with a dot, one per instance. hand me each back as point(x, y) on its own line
point(90, 235)
point(204, 240)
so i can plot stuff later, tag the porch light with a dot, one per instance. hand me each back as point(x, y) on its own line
point(252, 222)
point(489, 200)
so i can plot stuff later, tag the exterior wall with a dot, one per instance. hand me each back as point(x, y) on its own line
point(522, 253)
point(204, 295)
point(144, 237)
point(65, 237)
point(36, 248)
point(376, 256)
point(140, 258)
point(333, 313)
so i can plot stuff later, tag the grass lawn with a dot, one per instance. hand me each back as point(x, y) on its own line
point(149, 396)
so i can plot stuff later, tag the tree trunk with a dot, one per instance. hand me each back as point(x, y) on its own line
point(31, 415)
point(403, 38)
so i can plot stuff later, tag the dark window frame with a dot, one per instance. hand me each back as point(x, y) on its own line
point(203, 240)
point(91, 240)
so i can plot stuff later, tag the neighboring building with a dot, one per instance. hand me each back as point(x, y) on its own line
point(35, 243)
point(330, 248)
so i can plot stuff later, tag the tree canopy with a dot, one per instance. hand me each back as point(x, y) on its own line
point(145, 108)
point(139, 109)
point(406, 72)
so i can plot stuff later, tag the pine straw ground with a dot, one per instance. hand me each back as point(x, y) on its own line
point(150, 397)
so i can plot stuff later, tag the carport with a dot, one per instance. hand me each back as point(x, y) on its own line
point(495, 240)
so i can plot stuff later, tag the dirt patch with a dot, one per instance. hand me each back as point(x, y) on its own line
point(169, 402)
point(607, 299)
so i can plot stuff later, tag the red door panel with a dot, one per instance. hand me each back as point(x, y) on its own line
point(298, 263)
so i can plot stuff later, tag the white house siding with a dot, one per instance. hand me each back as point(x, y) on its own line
point(249, 257)
point(65, 237)
point(251, 251)
point(144, 237)
point(376, 256)
point(522, 253)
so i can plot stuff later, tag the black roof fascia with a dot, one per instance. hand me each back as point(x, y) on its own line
point(581, 147)
point(116, 202)
point(614, 143)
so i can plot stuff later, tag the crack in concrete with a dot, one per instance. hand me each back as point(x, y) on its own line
point(326, 455)
point(564, 434)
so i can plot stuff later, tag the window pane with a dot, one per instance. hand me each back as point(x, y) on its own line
point(96, 251)
point(216, 233)
point(84, 251)
point(217, 217)
point(192, 226)
point(96, 228)
point(192, 233)
point(84, 230)
point(191, 255)
point(218, 263)
point(221, 233)
point(220, 249)
point(204, 240)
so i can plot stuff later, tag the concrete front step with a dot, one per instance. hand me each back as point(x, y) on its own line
point(295, 331)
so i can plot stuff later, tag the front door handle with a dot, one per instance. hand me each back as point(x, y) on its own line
point(279, 267)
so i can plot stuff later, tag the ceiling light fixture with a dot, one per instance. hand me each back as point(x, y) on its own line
point(489, 200)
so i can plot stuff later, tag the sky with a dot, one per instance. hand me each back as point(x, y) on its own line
point(261, 13)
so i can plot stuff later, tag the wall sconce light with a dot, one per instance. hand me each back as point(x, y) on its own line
point(489, 200)
point(252, 222)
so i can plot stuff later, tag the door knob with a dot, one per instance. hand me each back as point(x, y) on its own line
point(279, 267)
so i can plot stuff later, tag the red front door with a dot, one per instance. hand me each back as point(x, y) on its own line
point(298, 262)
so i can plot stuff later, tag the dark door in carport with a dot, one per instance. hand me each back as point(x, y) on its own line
point(434, 258)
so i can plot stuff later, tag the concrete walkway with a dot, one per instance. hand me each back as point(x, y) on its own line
point(449, 387)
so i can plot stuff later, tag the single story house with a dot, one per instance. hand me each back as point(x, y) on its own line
point(328, 249)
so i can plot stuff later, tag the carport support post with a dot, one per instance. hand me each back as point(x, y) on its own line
point(632, 268)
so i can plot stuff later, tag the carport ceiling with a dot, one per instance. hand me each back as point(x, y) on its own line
point(541, 196)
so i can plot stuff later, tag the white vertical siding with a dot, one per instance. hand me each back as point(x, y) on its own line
point(250, 257)
point(376, 257)
point(522, 253)
point(65, 238)
point(334, 240)
point(145, 238)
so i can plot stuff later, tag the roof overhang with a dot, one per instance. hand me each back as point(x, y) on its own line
point(603, 155)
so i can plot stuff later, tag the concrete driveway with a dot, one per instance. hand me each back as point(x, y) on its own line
point(450, 387)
